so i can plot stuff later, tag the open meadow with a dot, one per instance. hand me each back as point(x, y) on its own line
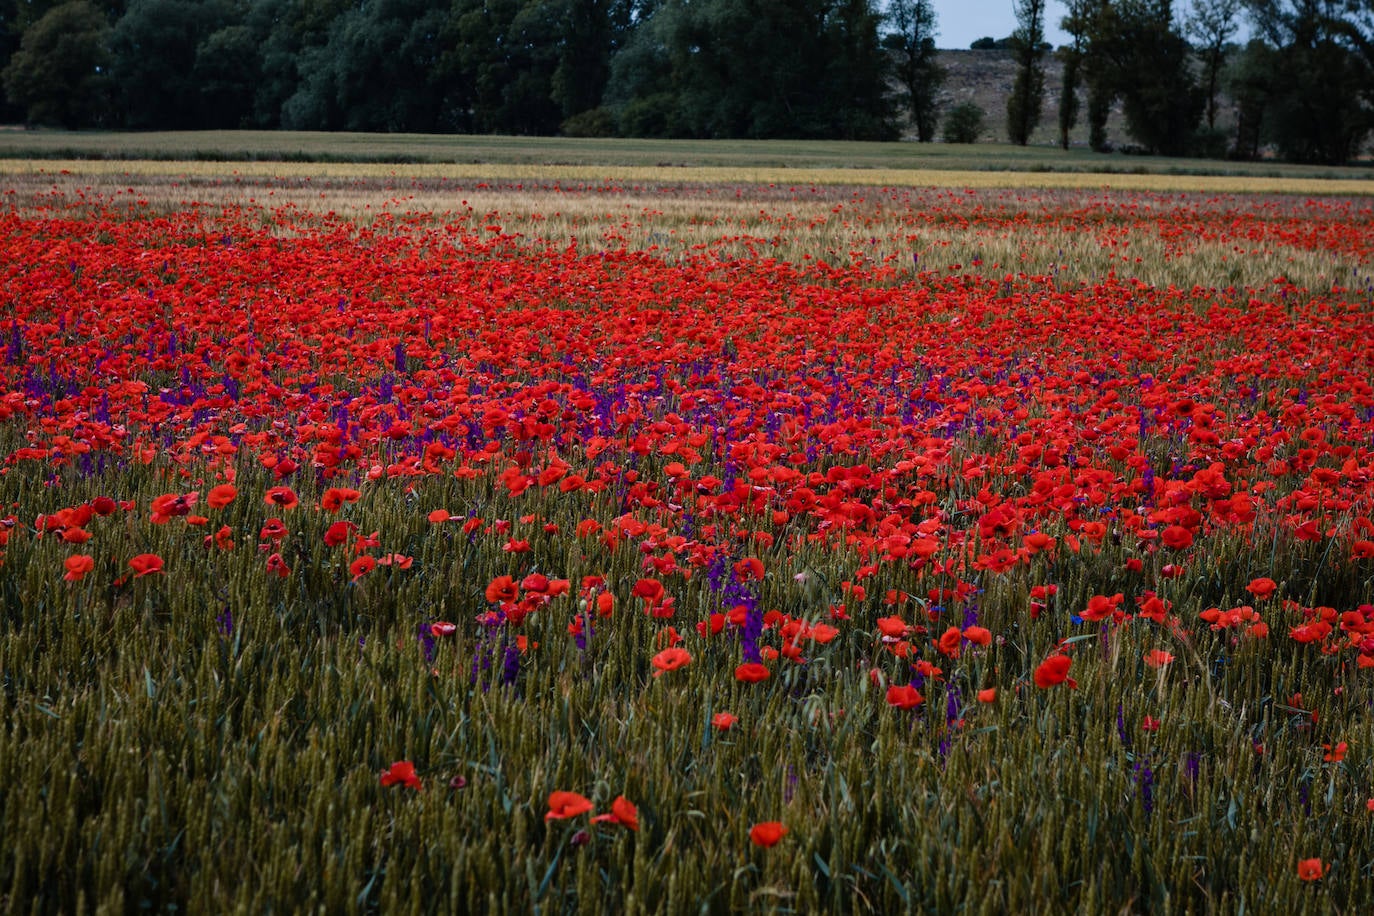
point(382, 537)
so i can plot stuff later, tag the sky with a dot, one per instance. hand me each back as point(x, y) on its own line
point(961, 22)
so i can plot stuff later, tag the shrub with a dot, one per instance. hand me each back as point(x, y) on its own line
point(597, 122)
point(964, 123)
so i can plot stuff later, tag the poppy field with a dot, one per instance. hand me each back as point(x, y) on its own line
point(685, 548)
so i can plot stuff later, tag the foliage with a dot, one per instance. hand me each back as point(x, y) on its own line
point(350, 81)
point(1311, 79)
point(964, 123)
point(1076, 22)
point(759, 68)
point(57, 74)
point(1136, 53)
point(1028, 91)
point(1212, 24)
point(912, 39)
point(154, 49)
point(837, 69)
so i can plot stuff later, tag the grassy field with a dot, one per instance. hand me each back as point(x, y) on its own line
point(973, 222)
point(743, 158)
point(372, 533)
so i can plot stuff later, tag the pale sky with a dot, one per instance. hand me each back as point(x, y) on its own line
point(961, 22)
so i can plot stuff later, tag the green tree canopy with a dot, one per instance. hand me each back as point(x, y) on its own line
point(1137, 53)
point(1314, 92)
point(911, 39)
point(755, 68)
point(59, 74)
point(153, 58)
point(1028, 90)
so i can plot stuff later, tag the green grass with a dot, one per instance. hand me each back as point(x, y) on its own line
point(734, 154)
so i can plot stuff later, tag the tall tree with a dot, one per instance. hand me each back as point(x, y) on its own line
point(153, 56)
point(1249, 81)
point(58, 75)
point(856, 102)
point(505, 54)
point(912, 39)
point(754, 68)
point(1137, 53)
point(378, 70)
point(1319, 106)
point(1212, 24)
point(1076, 23)
point(590, 33)
point(226, 72)
point(1028, 90)
point(10, 33)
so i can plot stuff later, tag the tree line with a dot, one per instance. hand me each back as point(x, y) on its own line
point(1302, 85)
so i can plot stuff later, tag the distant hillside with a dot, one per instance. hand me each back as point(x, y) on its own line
point(986, 77)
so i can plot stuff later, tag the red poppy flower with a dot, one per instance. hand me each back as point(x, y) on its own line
point(77, 566)
point(221, 496)
point(273, 530)
point(442, 628)
point(172, 505)
point(145, 564)
point(749, 568)
point(1262, 588)
point(767, 834)
point(904, 696)
point(1053, 671)
point(1100, 607)
point(605, 604)
point(927, 670)
point(402, 772)
point(751, 673)
point(651, 590)
point(536, 584)
point(1315, 631)
point(334, 498)
point(1177, 537)
point(987, 695)
point(892, 627)
point(623, 812)
point(567, 804)
point(281, 497)
point(502, 589)
point(822, 633)
point(1158, 658)
point(979, 636)
point(276, 566)
point(950, 641)
point(1153, 607)
point(361, 567)
point(1335, 754)
point(339, 533)
point(671, 659)
point(724, 721)
point(1311, 869)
